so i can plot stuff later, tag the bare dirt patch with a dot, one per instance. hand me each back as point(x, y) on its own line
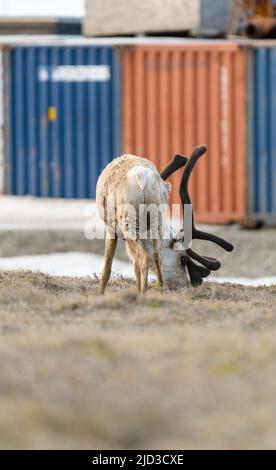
point(190, 369)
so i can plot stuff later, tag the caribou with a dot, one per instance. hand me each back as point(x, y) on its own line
point(130, 182)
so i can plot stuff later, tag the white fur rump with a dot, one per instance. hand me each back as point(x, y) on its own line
point(146, 186)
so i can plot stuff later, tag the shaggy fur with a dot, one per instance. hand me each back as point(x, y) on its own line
point(132, 182)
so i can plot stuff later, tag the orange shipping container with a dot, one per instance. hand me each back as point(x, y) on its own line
point(182, 95)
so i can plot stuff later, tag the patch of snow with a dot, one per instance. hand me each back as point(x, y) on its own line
point(75, 264)
point(72, 264)
point(36, 213)
point(243, 281)
point(33, 213)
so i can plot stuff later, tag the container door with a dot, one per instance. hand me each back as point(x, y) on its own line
point(179, 96)
point(64, 125)
point(262, 155)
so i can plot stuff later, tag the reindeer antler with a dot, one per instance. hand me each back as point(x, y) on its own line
point(196, 271)
point(185, 199)
point(177, 162)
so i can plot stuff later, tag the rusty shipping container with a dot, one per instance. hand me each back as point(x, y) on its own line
point(182, 95)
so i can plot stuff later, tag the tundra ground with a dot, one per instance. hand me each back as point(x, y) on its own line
point(185, 370)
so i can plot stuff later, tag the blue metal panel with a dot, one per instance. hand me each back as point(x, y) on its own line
point(93, 135)
point(272, 123)
point(81, 123)
point(69, 150)
point(65, 119)
point(43, 149)
point(262, 157)
point(32, 167)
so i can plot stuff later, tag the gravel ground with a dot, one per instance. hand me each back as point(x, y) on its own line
point(254, 255)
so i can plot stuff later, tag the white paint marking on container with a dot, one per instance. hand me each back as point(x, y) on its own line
point(74, 73)
point(224, 114)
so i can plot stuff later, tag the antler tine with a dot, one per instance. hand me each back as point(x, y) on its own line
point(209, 263)
point(183, 189)
point(199, 235)
point(185, 199)
point(177, 162)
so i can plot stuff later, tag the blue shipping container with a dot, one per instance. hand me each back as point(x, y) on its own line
point(262, 134)
point(64, 122)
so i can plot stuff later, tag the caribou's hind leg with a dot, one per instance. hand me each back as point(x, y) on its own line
point(110, 248)
point(157, 262)
point(142, 256)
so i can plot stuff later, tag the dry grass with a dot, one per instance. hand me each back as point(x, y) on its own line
point(194, 369)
